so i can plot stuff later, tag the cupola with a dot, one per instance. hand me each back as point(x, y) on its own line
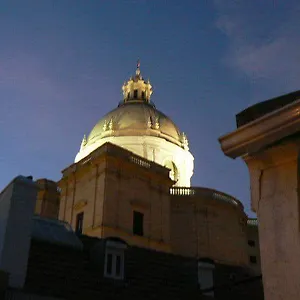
point(136, 89)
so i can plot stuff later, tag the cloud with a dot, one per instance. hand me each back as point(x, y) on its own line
point(261, 45)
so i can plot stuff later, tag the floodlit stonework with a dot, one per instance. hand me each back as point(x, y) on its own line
point(108, 187)
point(138, 126)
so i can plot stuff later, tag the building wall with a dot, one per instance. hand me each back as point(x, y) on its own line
point(47, 203)
point(198, 222)
point(202, 226)
point(83, 192)
point(253, 247)
point(154, 149)
point(17, 203)
point(109, 188)
point(128, 190)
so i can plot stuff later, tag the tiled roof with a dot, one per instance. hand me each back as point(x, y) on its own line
point(59, 271)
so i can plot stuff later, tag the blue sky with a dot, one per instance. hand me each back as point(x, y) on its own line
point(62, 64)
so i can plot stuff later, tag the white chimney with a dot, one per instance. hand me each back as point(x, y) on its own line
point(17, 203)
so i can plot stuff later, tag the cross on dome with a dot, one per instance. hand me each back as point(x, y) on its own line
point(138, 71)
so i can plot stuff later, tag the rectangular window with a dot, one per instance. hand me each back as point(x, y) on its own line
point(79, 223)
point(143, 95)
point(109, 262)
point(114, 264)
point(253, 259)
point(206, 277)
point(135, 94)
point(251, 243)
point(118, 265)
point(138, 223)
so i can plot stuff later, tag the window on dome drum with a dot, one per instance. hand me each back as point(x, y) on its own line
point(173, 170)
point(252, 259)
point(138, 223)
point(114, 261)
point(79, 223)
point(251, 243)
point(135, 94)
point(143, 95)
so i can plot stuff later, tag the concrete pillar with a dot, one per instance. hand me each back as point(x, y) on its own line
point(274, 177)
point(268, 140)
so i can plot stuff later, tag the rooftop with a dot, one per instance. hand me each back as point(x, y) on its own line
point(260, 109)
point(62, 271)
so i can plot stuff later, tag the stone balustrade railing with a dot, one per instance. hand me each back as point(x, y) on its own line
point(199, 191)
point(117, 151)
point(252, 222)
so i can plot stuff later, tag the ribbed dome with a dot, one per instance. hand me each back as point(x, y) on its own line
point(137, 126)
point(136, 119)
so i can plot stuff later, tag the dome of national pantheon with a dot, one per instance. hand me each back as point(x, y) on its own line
point(138, 126)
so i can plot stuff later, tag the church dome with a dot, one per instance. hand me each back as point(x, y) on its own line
point(139, 127)
point(134, 119)
point(136, 115)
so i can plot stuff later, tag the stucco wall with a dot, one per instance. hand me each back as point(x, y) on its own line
point(274, 175)
point(203, 227)
point(108, 202)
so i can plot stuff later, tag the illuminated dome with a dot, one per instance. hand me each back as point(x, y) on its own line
point(138, 126)
point(135, 118)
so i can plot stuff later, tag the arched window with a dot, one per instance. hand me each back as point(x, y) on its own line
point(173, 170)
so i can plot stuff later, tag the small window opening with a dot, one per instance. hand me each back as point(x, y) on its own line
point(143, 95)
point(135, 94)
point(251, 243)
point(109, 264)
point(79, 223)
point(253, 259)
point(138, 223)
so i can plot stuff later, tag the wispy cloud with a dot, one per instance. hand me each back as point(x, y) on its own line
point(257, 47)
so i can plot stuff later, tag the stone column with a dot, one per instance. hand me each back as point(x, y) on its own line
point(268, 140)
point(274, 197)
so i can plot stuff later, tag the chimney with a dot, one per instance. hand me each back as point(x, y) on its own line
point(17, 202)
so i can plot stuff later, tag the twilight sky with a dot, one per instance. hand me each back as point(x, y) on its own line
point(62, 64)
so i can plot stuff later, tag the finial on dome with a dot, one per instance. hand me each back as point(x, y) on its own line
point(185, 142)
point(83, 143)
point(138, 71)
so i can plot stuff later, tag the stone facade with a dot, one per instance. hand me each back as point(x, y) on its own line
point(253, 246)
point(211, 224)
point(112, 183)
point(109, 188)
point(274, 180)
point(48, 198)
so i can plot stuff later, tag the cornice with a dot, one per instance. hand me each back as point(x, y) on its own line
point(263, 131)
